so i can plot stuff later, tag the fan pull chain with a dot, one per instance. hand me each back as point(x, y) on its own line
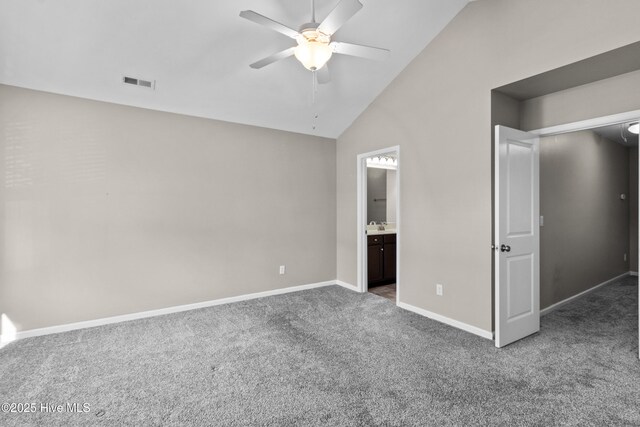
point(314, 86)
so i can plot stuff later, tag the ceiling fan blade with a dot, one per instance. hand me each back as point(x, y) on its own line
point(361, 51)
point(273, 58)
point(323, 75)
point(270, 23)
point(339, 15)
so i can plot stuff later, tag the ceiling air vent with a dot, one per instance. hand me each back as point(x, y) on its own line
point(151, 84)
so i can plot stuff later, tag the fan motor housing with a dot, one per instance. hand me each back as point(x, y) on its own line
point(313, 35)
point(309, 26)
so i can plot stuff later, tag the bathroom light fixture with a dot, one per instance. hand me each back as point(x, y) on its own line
point(382, 162)
point(634, 128)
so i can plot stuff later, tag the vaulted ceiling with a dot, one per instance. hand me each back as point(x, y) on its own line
point(198, 53)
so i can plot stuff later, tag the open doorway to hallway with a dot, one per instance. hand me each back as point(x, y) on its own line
point(588, 211)
point(586, 214)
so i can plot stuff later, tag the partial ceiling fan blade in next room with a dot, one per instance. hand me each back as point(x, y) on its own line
point(360, 51)
point(269, 23)
point(339, 15)
point(273, 58)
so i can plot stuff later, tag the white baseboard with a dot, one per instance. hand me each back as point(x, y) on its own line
point(633, 273)
point(451, 322)
point(347, 285)
point(557, 305)
point(162, 311)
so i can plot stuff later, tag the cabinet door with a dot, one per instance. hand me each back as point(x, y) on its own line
point(389, 255)
point(374, 261)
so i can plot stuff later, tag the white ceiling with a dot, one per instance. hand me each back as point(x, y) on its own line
point(199, 52)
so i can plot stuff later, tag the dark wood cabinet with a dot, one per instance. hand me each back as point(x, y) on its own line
point(389, 262)
point(373, 240)
point(381, 259)
point(375, 261)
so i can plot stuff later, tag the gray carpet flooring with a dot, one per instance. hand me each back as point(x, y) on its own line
point(330, 356)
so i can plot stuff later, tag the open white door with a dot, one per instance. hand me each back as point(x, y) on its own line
point(517, 235)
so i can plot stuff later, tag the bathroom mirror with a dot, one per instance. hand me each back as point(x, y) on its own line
point(381, 189)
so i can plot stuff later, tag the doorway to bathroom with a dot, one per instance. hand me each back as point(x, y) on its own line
point(378, 223)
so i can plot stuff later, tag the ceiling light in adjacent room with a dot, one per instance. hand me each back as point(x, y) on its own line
point(634, 128)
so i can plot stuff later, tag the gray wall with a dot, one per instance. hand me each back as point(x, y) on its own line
point(108, 210)
point(633, 209)
point(586, 225)
point(505, 111)
point(602, 98)
point(439, 111)
point(614, 95)
point(376, 189)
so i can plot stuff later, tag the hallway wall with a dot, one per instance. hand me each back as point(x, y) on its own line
point(586, 225)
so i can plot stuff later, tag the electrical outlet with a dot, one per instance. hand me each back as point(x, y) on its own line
point(439, 289)
point(282, 269)
point(625, 257)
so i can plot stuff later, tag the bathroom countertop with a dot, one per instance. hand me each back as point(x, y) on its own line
point(378, 232)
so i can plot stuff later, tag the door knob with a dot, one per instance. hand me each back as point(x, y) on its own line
point(505, 248)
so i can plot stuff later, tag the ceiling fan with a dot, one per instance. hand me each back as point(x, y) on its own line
point(315, 46)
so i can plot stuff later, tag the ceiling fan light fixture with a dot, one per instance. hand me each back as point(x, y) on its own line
point(313, 50)
point(634, 128)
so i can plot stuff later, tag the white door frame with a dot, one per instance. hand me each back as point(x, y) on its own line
point(613, 119)
point(362, 284)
